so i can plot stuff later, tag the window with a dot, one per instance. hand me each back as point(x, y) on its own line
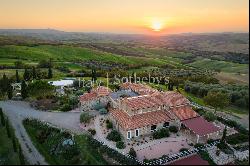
point(166, 124)
point(153, 127)
point(137, 133)
point(129, 134)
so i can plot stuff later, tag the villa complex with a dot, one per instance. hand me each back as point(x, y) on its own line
point(138, 110)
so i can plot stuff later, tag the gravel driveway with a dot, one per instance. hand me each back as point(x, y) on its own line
point(19, 110)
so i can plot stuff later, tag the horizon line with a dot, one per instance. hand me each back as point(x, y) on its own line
point(124, 33)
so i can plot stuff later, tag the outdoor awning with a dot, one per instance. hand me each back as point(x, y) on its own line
point(200, 126)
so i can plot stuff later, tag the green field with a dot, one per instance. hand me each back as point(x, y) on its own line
point(223, 66)
point(68, 54)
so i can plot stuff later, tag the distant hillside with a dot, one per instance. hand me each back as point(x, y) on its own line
point(230, 47)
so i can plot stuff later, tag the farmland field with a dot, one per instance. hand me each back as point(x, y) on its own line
point(228, 67)
point(68, 53)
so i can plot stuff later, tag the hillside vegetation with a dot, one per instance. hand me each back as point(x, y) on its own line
point(69, 53)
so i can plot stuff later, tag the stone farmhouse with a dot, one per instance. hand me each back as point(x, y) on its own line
point(98, 95)
point(139, 110)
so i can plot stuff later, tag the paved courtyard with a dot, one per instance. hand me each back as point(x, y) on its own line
point(158, 148)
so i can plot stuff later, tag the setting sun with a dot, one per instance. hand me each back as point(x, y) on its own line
point(156, 26)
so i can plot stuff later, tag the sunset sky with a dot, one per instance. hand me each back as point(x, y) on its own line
point(127, 16)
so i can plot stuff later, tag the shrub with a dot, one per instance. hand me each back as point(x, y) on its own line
point(114, 136)
point(132, 152)
point(85, 118)
point(120, 145)
point(237, 138)
point(209, 116)
point(173, 129)
point(103, 111)
point(161, 133)
point(198, 145)
point(42, 135)
point(183, 150)
point(92, 131)
point(70, 151)
point(109, 124)
point(205, 156)
point(209, 141)
point(65, 108)
point(225, 148)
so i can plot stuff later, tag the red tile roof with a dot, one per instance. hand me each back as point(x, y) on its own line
point(141, 89)
point(88, 97)
point(200, 126)
point(192, 160)
point(184, 112)
point(141, 102)
point(96, 92)
point(170, 99)
point(101, 91)
point(140, 120)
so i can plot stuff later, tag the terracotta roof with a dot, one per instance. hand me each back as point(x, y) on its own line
point(101, 91)
point(171, 99)
point(141, 102)
point(140, 120)
point(200, 126)
point(88, 96)
point(141, 89)
point(192, 160)
point(96, 92)
point(184, 112)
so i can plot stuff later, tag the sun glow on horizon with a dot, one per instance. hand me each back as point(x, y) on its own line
point(157, 26)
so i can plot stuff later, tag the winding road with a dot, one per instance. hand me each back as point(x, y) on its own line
point(17, 111)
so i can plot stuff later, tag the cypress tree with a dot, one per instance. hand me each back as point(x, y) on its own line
point(33, 73)
point(21, 157)
point(5, 83)
point(24, 92)
point(223, 138)
point(50, 73)
point(14, 144)
point(26, 75)
point(10, 91)
point(8, 128)
point(94, 78)
point(17, 77)
point(2, 117)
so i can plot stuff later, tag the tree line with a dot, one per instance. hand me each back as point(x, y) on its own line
point(238, 95)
